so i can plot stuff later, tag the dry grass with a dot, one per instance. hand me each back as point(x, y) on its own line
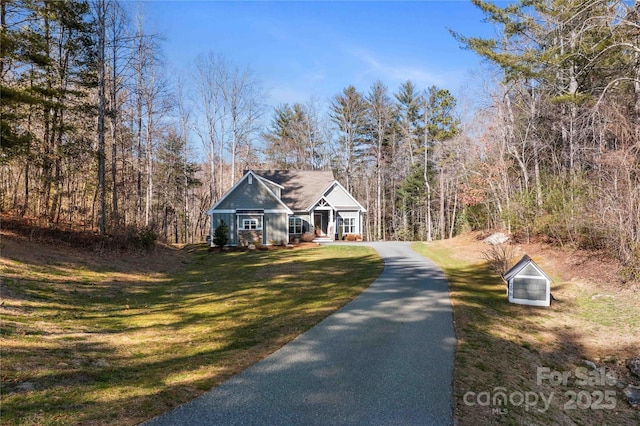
point(101, 339)
point(501, 345)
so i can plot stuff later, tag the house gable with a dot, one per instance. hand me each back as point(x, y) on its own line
point(339, 197)
point(250, 192)
point(273, 186)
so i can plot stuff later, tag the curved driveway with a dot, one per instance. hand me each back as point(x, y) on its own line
point(386, 358)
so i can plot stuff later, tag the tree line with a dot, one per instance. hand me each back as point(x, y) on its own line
point(96, 134)
point(560, 156)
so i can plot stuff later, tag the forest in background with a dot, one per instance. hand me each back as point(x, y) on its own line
point(96, 135)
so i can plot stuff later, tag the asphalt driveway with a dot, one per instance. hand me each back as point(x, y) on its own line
point(386, 358)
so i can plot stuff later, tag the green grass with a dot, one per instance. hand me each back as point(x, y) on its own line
point(105, 345)
point(606, 310)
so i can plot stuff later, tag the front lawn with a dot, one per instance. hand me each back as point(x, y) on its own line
point(111, 340)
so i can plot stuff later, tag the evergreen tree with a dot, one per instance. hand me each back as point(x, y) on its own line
point(409, 116)
point(287, 144)
point(45, 74)
point(221, 234)
point(348, 112)
point(175, 176)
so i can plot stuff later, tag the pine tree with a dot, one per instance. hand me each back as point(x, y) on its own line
point(221, 234)
point(348, 112)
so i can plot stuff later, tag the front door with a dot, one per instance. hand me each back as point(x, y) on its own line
point(318, 223)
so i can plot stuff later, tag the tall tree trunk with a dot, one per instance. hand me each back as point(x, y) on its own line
point(425, 176)
point(101, 15)
point(47, 133)
point(140, 153)
point(139, 65)
point(442, 217)
point(452, 220)
point(379, 192)
point(149, 167)
point(25, 205)
point(115, 111)
point(536, 147)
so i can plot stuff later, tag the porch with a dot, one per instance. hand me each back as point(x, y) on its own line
point(324, 224)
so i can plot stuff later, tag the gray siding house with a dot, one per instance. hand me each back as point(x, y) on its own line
point(277, 206)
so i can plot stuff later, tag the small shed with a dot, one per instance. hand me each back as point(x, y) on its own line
point(527, 284)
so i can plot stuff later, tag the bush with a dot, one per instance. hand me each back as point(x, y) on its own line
point(631, 269)
point(352, 237)
point(590, 237)
point(499, 258)
point(307, 237)
point(147, 237)
point(221, 234)
point(630, 272)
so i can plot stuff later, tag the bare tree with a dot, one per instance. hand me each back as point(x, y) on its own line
point(380, 112)
point(243, 97)
point(210, 71)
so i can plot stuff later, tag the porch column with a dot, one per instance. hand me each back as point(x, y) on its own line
point(312, 220)
point(331, 227)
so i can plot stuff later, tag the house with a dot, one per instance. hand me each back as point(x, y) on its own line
point(527, 284)
point(278, 206)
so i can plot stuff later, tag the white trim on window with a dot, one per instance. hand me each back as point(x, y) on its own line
point(295, 225)
point(250, 224)
point(348, 225)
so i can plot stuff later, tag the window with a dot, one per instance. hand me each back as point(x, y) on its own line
point(529, 288)
point(349, 225)
point(295, 225)
point(250, 224)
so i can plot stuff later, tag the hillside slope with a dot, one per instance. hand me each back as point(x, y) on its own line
point(592, 327)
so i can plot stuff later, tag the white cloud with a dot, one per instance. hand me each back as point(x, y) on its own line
point(298, 89)
point(395, 71)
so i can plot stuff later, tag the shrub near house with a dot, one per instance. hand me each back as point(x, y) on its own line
point(221, 235)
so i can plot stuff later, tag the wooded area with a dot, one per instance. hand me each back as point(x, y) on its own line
point(97, 136)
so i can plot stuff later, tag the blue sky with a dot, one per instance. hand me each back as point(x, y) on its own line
point(305, 49)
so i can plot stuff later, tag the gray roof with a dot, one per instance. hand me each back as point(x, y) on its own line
point(522, 263)
point(302, 188)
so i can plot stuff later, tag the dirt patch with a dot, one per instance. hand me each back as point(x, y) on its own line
point(127, 239)
point(161, 259)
